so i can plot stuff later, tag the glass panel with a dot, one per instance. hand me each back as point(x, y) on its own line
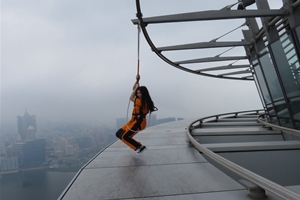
point(287, 63)
point(271, 77)
point(262, 84)
point(260, 93)
point(272, 116)
point(298, 33)
point(297, 122)
point(280, 106)
point(289, 69)
point(263, 92)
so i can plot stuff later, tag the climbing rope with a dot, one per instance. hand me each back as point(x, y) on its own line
point(138, 49)
point(138, 73)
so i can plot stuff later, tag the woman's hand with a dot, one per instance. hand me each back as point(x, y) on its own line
point(135, 87)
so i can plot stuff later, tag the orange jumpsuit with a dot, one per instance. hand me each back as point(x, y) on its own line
point(135, 124)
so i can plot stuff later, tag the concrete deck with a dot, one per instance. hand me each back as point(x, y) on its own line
point(170, 168)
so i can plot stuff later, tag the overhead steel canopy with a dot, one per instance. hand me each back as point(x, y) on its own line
point(212, 15)
point(202, 45)
point(239, 66)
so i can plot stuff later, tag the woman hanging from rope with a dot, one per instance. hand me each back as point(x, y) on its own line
point(143, 105)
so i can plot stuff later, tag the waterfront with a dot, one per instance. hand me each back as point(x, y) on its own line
point(34, 184)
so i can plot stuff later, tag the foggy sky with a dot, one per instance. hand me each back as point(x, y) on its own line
point(76, 61)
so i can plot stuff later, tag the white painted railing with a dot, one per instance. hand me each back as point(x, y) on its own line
point(262, 182)
point(281, 128)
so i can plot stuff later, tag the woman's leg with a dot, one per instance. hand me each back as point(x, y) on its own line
point(132, 143)
point(119, 133)
point(127, 137)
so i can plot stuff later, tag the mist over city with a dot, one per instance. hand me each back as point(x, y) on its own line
point(76, 63)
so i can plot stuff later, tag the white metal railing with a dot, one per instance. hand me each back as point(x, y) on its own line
point(216, 117)
point(248, 175)
point(281, 128)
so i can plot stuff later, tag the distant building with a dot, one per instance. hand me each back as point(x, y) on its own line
point(27, 126)
point(2, 148)
point(8, 164)
point(9, 151)
point(34, 153)
point(61, 144)
point(150, 121)
point(69, 150)
point(59, 153)
point(31, 153)
point(166, 120)
point(18, 152)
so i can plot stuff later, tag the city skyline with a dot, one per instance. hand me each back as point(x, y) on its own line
point(30, 146)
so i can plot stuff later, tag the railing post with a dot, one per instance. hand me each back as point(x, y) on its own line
point(255, 192)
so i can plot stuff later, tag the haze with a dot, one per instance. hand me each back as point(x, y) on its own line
point(76, 61)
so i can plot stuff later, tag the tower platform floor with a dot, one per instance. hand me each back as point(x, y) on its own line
point(170, 168)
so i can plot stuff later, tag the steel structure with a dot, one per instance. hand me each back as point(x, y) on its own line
point(271, 52)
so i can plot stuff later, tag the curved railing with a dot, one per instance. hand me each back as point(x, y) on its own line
point(281, 128)
point(248, 175)
point(216, 117)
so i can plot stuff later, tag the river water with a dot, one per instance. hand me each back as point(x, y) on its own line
point(41, 185)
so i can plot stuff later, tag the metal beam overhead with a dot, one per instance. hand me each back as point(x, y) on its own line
point(202, 45)
point(211, 59)
point(273, 17)
point(235, 73)
point(223, 68)
point(247, 77)
point(212, 15)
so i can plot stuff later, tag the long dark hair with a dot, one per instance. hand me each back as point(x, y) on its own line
point(146, 99)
